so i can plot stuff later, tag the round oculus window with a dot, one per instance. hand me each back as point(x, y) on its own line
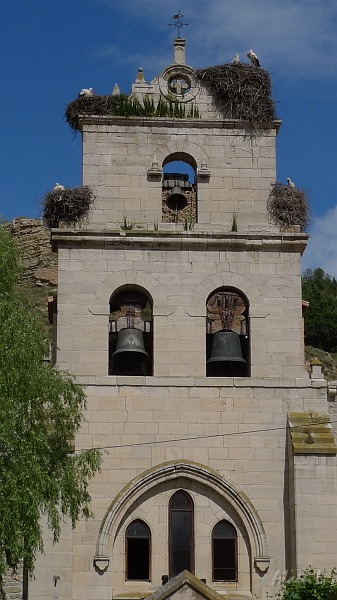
point(178, 81)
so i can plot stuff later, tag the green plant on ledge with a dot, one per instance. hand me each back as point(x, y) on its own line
point(234, 226)
point(128, 106)
point(127, 225)
point(188, 223)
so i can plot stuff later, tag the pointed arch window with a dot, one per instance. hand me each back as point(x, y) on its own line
point(224, 552)
point(181, 533)
point(138, 551)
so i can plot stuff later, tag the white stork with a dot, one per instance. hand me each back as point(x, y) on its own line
point(86, 92)
point(58, 187)
point(253, 58)
point(290, 183)
point(236, 60)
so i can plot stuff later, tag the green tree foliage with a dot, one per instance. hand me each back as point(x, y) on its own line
point(40, 411)
point(309, 586)
point(320, 319)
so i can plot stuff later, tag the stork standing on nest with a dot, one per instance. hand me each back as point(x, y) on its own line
point(236, 60)
point(253, 58)
point(290, 183)
point(58, 188)
point(86, 92)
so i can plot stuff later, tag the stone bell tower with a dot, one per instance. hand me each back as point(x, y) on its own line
point(179, 309)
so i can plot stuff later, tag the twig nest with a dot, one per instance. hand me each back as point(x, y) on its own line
point(241, 91)
point(288, 206)
point(91, 105)
point(69, 205)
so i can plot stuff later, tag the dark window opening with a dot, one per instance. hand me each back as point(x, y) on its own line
point(181, 539)
point(138, 540)
point(224, 551)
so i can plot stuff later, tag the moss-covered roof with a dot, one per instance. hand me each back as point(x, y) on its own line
point(311, 433)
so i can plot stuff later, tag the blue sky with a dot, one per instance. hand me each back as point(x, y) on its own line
point(50, 50)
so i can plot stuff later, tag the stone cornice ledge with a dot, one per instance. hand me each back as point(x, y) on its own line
point(177, 123)
point(290, 242)
point(195, 382)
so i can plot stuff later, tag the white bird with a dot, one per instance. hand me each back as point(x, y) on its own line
point(236, 60)
point(290, 183)
point(58, 187)
point(253, 58)
point(86, 92)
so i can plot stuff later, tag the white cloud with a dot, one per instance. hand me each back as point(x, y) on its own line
point(296, 37)
point(322, 247)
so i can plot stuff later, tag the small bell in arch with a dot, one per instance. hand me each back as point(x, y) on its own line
point(176, 200)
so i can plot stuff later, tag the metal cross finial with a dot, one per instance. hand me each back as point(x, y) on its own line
point(178, 24)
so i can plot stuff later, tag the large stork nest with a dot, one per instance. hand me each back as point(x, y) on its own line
point(288, 206)
point(241, 91)
point(91, 105)
point(69, 205)
point(127, 106)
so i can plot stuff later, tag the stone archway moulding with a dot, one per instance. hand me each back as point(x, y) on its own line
point(181, 147)
point(226, 279)
point(194, 472)
point(130, 278)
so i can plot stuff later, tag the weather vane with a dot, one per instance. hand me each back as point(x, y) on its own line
point(178, 24)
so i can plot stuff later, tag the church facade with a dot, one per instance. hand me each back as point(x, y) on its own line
point(179, 309)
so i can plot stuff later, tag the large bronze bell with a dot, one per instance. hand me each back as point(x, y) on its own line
point(130, 356)
point(226, 347)
point(176, 200)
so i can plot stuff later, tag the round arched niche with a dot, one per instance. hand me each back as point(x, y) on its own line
point(179, 189)
point(181, 156)
point(130, 331)
point(227, 333)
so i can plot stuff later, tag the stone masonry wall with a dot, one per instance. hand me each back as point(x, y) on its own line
point(116, 161)
point(179, 282)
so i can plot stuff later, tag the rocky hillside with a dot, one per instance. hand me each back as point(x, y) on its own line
point(40, 263)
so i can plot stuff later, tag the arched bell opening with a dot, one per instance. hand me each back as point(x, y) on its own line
point(179, 190)
point(227, 334)
point(131, 332)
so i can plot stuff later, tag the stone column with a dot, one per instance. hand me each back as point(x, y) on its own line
point(179, 51)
